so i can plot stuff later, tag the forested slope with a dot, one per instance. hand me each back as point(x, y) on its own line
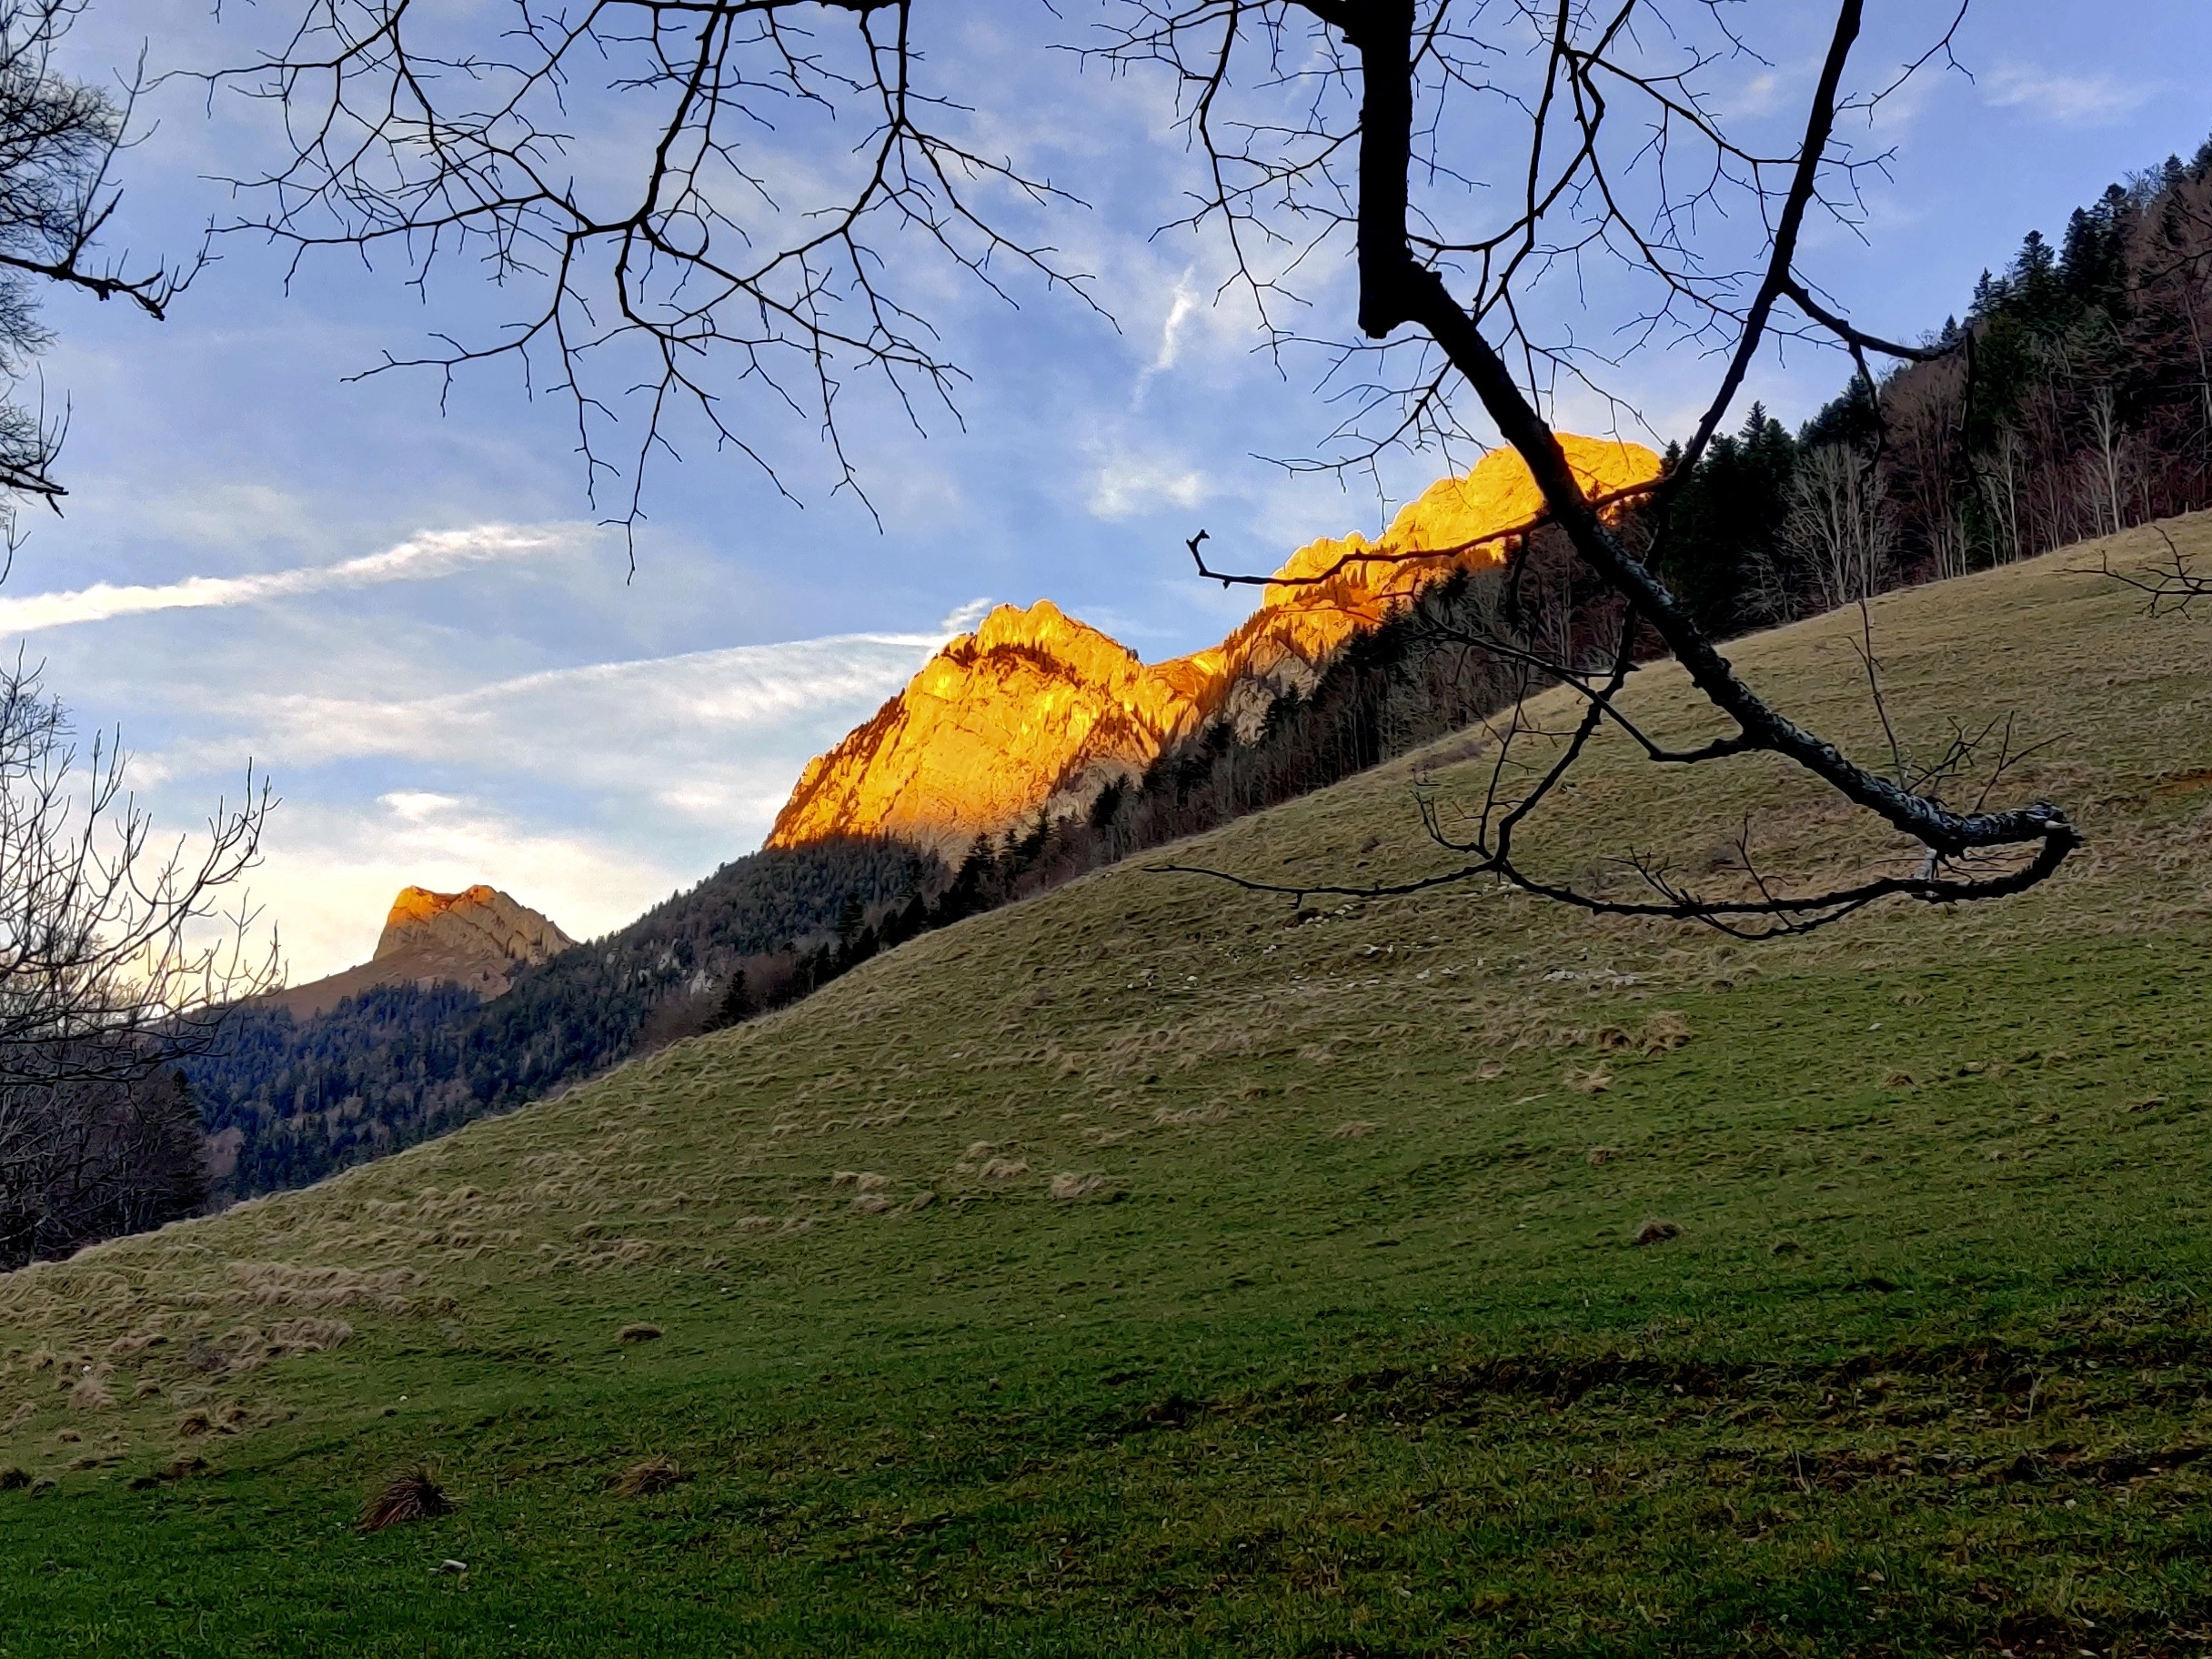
point(287, 1100)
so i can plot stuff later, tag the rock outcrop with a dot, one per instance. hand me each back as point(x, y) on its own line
point(478, 938)
point(1035, 709)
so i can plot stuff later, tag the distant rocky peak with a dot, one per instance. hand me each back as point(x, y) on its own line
point(479, 921)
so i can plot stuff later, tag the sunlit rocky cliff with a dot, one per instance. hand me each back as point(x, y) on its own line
point(477, 937)
point(1037, 709)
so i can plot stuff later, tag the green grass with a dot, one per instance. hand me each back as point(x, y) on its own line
point(1925, 1368)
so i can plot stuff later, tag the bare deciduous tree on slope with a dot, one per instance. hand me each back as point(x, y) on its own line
point(1528, 194)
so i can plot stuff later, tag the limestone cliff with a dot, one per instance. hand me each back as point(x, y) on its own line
point(476, 938)
point(479, 923)
point(1037, 709)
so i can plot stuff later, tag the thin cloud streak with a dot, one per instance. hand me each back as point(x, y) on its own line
point(431, 553)
point(2071, 100)
point(597, 721)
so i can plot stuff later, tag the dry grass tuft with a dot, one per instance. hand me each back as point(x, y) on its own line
point(1657, 1231)
point(1216, 1113)
point(1599, 1154)
point(193, 1424)
point(13, 1479)
point(1359, 1128)
point(1005, 1169)
point(871, 1203)
point(68, 1437)
point(1490, 1071)
point(308, 1336)
point(638, 1334)
point(89, 1395)
point(1664, 1032)
point(412, 1493)
point(1593, 1081)
point(1900, 1079)
point(921, 1201)
point(1078, 1186)
point(648, 1475)
point(756, 1224)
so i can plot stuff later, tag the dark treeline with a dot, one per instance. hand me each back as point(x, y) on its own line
point(2076, 401)
point(89, 1158)
point(287, 1100)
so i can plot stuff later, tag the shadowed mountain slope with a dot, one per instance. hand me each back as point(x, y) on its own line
point(1153, 1266)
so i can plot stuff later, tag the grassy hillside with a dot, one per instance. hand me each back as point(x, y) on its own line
point(1343, 1341)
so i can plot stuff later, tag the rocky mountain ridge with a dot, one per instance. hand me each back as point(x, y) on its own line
point(477, 939)
point(1037, 709)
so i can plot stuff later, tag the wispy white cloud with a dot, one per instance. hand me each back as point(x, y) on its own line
point(1180, 308)
point(432, 553)
point(1123, 485)
point(559, 721)
point(2073, 100)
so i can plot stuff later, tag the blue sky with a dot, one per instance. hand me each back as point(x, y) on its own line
point(405, 615)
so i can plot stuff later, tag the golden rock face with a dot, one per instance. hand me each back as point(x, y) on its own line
point(478, 921)
point(478, 938)
point(1035, 709)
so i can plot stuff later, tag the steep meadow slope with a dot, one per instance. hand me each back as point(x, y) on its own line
point(1156, 1266)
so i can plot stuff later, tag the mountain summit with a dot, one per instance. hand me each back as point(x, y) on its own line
point(478, 922)
point(1037, 709)
point(477, 937)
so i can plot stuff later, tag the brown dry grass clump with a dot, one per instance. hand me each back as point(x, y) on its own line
point(412, 1493)
point(648, 1475)
point(308, 1336)
point(1657, 1231)
point(1218, 1113)
point(1594, 1082)
point(1359, 1128)
point(1005, 1169)
point(640, 1333)
point(1073, 1186)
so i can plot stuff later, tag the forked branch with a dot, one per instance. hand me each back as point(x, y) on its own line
point(1401, 284)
